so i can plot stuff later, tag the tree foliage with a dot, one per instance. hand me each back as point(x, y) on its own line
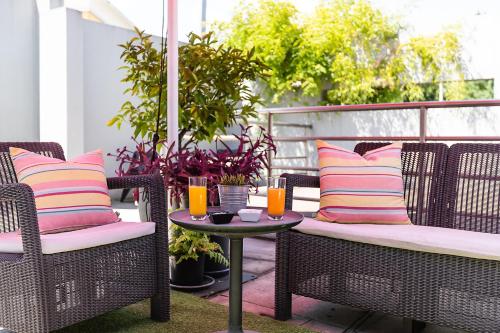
point(345, 52)
point(214, 87)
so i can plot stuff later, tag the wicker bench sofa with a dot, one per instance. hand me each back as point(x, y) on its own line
point(445, 188)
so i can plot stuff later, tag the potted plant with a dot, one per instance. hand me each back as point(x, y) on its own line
point(215, 92)
point(248, 158)
point(233, 193)
point(188, 250)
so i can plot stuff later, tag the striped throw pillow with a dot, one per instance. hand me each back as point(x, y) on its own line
point(361, 189)
point(68, 195)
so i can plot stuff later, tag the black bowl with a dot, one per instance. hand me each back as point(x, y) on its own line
point(220, 217)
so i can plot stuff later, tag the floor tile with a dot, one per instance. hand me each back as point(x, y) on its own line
point(258, 266)
point(260, 291)
point(322, 328)
point(257, 248)
point(380, 323)
point(325, 312)
point(247, 306)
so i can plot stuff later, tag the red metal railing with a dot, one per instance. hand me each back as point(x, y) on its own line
point(422, 137)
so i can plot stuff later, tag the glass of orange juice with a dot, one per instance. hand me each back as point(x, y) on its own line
point(276, 198)
point(198, 198)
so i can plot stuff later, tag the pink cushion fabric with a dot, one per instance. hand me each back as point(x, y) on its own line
point(69, 195)
point(11, 242)
point(410, 237)
point(361, 189)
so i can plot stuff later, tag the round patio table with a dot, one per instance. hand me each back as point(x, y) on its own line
point(236, 231)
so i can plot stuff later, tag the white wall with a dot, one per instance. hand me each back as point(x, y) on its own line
point(61, 79)
point(103, 91)
point(81, 88)
point(18, 71)
point(78, 80)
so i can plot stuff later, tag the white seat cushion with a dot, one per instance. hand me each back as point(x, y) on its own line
point(411, 237)
point(11, 242)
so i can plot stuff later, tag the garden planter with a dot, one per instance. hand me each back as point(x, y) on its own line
point(188, 272)
point(213, 268)
point(233, 198)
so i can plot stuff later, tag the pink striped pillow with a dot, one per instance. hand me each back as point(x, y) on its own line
point(361, 189)
point(68, 195)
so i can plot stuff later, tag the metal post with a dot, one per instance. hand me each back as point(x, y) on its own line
point(172, 76)
point(235, 288)
point(270, 132)
point(203, 16)
point(423, 124)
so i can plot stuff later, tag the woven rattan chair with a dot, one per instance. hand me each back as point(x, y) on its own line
point(41, 293)
point(457, 187)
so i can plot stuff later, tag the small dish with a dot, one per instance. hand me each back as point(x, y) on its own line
point(250, 215)
point(221, 217)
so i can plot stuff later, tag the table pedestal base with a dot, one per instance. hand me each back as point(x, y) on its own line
point(236, 231)
point(235, 287)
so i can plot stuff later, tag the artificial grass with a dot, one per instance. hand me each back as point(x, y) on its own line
point(190, 314)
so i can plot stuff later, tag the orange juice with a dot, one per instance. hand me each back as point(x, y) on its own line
point(276, 201)
point(198, 200)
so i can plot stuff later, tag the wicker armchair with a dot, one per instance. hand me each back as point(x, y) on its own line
point(457, 187)
point(41, 293)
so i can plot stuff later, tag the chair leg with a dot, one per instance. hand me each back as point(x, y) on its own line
point(413, 326)
point(160, 307)
point(282, 296)
point(160, 303)
point(283, 306)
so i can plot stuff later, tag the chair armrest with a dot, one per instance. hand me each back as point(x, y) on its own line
point(155, 187)
point(293, 180)
point(17, 199)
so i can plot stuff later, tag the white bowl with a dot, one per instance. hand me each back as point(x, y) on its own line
point(250, 215)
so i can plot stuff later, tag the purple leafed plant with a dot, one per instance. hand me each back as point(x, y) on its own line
point(248, 159)
point(177, 167)
point(137, 162)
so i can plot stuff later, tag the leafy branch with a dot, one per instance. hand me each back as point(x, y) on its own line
point(215, 87)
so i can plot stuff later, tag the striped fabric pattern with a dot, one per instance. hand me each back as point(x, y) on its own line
point(68, 195)
point(361, 189)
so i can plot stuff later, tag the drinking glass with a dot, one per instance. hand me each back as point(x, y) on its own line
point(276, 198)
point(198, 198)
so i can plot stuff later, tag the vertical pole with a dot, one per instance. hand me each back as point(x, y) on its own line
point(423, 124)
point(270, 132)
point(203, 16)
point(172, 76)
point(235, 288)
point(421, 162)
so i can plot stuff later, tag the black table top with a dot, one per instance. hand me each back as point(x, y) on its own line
point(236, 228)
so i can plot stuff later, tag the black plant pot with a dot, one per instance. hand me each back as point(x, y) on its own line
point(213, 268)
point(188, 272)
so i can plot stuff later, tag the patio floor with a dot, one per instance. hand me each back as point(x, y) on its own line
point(324, 317)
